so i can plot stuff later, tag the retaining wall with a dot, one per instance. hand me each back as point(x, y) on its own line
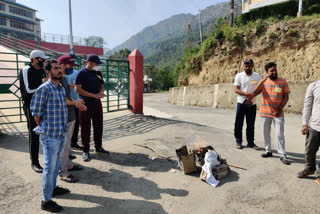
point(223, 96)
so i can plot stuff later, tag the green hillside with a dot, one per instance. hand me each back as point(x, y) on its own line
point(164, 29)
point(162, 44)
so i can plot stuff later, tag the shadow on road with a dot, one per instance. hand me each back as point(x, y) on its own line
point(118, 127)
point(138, 160)
point(118, 181)
point(131, 124)
point(112, 205)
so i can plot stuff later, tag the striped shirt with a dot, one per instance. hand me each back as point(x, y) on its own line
point(49, 103)
point(272, 96)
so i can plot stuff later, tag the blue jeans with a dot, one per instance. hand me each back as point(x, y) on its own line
point(248, 112)
point(53, 149)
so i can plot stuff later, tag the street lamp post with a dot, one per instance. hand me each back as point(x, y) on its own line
point(70, 26)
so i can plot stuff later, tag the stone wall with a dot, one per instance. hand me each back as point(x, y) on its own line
point(223, 96)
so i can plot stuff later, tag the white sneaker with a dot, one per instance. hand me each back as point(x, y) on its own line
point(85, 156)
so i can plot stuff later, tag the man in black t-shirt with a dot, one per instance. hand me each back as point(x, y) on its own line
point(90, 86)
point(31, 77)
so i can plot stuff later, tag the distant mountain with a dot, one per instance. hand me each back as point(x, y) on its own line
point(162, 44)
point(167, 52)
point(161, 30)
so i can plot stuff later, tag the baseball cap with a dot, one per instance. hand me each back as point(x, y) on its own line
point(94, 58)
point(67, 59)
point(248, 61)
point(73, 55)
point(38, 53)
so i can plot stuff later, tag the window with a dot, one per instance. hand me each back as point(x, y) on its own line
point(20, 12)
point(21, 25)
point(2, 7)
point(3, 21)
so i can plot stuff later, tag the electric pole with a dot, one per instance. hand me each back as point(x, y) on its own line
point(231, 13)
point(300, 9)
point(70, 26)
point(200, 27)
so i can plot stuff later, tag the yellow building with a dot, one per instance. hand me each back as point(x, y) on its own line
point(248, 5)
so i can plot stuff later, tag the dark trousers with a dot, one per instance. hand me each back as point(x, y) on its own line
point(33, 137)
point(94, 113)
point(74, 139)
point(248, 112)
point(312, 147)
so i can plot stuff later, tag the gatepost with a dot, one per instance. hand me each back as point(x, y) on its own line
point(136, 81)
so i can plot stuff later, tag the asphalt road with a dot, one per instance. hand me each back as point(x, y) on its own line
point(141, 174)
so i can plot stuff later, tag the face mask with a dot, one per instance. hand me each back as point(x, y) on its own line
point(96, 68)
point(69, 71)
point(40, 63)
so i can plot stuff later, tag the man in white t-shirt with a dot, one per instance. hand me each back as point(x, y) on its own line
point(244, 85)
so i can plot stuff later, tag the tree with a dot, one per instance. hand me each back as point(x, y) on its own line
point(94, 41)
point(311, 6)
point(122, 54)
point(163, 79)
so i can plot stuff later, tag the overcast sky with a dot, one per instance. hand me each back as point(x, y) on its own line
point(114, 20)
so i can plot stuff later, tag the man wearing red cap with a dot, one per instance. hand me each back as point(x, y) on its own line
point(66, 63)
point(90, 86)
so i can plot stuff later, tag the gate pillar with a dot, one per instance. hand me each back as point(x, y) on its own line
point(136, 81)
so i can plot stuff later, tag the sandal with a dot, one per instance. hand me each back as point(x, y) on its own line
point(76, 168)
point(69, 179)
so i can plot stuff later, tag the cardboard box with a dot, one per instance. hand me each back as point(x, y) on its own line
point(186, 159)
point(218, 172)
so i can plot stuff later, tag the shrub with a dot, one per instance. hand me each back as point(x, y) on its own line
point(293, 33)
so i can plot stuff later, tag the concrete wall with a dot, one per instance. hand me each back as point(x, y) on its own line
point(223, 96)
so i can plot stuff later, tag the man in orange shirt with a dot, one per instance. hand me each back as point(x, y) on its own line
point(275, 95)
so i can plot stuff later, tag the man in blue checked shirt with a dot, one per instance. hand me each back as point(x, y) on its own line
point(49, 108)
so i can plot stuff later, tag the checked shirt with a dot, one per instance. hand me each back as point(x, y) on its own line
point(49, 103)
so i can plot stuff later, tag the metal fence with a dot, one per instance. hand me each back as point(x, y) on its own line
point(115, 74)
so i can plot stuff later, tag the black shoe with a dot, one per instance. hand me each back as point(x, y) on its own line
point(37, 168)
point(305, 173)
point(239, 146)
point(51, 206)
point(266, 155)
point(102, 151)
point(60, 191)
point(254, 146)
point(72, 157)
point(285, 161)
point(76, 146)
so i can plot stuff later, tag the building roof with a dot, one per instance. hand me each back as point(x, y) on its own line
point(17, 4)
point(17, 18)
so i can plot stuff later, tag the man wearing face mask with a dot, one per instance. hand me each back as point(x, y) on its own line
point(31, 77)
point(244, 85)
point(90, 86)
point(275, 95)
point(71, 75)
